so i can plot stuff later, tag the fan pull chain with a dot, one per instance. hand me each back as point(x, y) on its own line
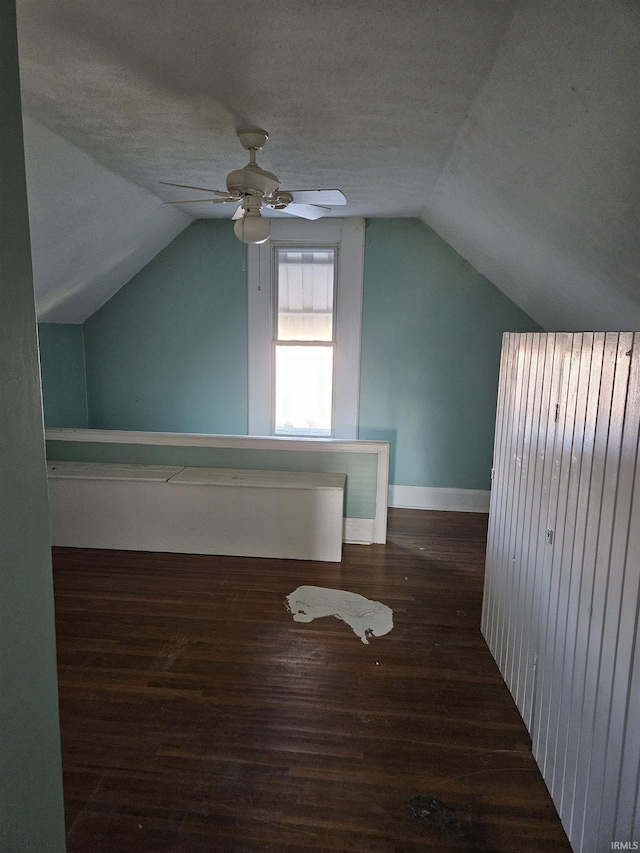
point(244, 256)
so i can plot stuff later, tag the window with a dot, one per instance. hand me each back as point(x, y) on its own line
point(305, 304)
point(304, 343)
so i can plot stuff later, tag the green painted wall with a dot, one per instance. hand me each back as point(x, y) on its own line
point(64, 382)
point(169, 351)
point(431, 339)
point(31, 812)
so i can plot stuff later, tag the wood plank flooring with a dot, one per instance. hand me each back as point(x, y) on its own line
point(197, 716)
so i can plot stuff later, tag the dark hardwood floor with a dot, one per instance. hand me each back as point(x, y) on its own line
point(197, 716)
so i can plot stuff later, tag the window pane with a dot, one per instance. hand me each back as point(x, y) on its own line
point(305, 294)
point(304, 390)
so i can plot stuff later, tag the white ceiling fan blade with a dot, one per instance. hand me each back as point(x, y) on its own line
point(239, 213)
point(328, 197)
point(202, 201)
point(189, 187)
point(306, 211)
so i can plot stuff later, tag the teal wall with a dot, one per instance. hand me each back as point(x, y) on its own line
point(64, 383)
point(31, 808)
point(169, 351)
point(431, 339)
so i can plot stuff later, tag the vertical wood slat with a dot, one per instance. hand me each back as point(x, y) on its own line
point(580, 459)
point(548, 499)
point(546, 591)
point(607, 438)
point(522, 451)
point(511, 480)
point(500, 501)
point(622, 586)
point(510, 635)
point(574, 603)
point(490, 590)
point(489, 603)
point(559, 522)
point(523, 655)
point(536, 543)
point(623, 758)
point(579, 613)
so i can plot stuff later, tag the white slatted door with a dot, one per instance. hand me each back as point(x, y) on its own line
point(574, 602)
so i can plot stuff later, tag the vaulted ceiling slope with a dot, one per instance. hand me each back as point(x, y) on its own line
point(511, 128)
point(91, 230)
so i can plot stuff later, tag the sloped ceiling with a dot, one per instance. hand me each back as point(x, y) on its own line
point(510, 128)
point(91, 230)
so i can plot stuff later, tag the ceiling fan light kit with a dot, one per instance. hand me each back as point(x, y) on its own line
point(252, 228)
point(255, 188)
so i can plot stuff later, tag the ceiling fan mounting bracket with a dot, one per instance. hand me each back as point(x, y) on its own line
point(252, 137)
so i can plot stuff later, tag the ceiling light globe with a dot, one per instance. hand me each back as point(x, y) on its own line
point(252, 229)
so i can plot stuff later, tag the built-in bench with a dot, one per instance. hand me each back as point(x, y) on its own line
point(365, 463)
point(238, 512)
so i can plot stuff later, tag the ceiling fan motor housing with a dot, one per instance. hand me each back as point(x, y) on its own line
point(252, 178)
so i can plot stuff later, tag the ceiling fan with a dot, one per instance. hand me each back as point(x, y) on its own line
point(253, 189)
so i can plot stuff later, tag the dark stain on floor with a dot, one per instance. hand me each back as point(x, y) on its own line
point(465, 835)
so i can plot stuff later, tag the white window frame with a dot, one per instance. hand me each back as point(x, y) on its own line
point(348, 236)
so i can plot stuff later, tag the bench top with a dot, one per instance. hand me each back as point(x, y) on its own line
point(178, 475)
point(111, 471)
point(258, 479)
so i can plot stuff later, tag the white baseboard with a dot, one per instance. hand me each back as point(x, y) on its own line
point(452, 500)
point(358, 531)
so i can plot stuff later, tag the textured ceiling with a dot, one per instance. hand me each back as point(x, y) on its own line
point(510, 128)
